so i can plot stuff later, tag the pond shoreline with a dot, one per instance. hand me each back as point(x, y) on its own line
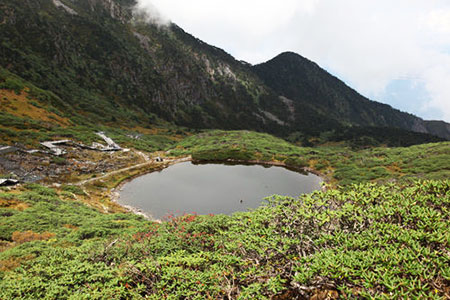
point(115, 192)
point(302, 170)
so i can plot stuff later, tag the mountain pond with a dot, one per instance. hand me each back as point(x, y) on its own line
point(187, 188)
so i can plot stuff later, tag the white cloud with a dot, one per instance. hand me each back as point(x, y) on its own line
point(367, 43)
point(439, 20)
point(437, 83)
point(146, 10)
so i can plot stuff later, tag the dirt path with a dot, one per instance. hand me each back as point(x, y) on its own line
point(150, 162)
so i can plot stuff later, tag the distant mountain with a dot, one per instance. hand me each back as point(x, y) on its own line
point(438, 128)
point(109, 66)
point(305, 83)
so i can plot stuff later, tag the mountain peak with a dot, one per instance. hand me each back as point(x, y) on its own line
point(289, 56)
point(309, 86)
point(291, 61)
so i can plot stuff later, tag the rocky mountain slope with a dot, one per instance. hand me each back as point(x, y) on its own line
point(109, 65)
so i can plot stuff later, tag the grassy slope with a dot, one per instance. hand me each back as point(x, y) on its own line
point(30, 115)
point(340, 164)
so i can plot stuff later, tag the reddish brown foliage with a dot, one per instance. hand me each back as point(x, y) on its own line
point(28, 236)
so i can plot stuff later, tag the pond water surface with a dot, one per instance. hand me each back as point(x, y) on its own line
point(212, 188)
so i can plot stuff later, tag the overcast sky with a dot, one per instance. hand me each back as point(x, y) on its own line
point(392, 51)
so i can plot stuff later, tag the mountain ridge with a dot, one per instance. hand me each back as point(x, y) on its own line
point(106, 62)
point(295, 77)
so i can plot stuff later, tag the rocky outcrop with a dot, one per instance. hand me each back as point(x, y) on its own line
point(438, 128)
point(69, 10)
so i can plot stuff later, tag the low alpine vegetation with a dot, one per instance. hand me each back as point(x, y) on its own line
point(361, 241)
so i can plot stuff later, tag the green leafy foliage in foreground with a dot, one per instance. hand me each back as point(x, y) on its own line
point(366, 241)
point(51, 241)
point(336, 162)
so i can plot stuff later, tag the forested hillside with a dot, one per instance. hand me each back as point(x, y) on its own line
point(104, 61)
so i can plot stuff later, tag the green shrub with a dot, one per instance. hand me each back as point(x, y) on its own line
point(12, 84)
point(73, 189)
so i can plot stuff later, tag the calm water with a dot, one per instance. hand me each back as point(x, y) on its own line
point(212, 188)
